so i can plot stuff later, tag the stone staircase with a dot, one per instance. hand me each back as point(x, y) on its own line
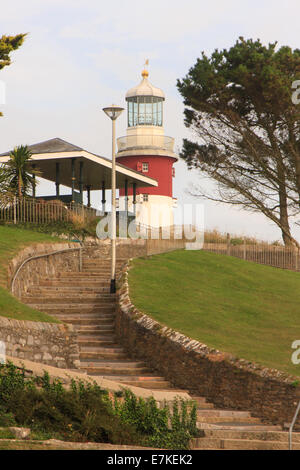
point(83, 299)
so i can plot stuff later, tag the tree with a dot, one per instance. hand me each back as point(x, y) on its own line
point(19, 176)
point(7, 45)
point(239, 105)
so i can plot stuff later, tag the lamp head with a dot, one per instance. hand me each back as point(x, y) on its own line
point(113, 111)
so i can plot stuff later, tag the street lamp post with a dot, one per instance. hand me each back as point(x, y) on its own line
point(113, 112)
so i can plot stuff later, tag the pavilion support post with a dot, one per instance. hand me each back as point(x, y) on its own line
point(57, 179)
point(88, 188)
point(126, 198)
point(34, 183)
point(81, 181)
point(134, 199)
point(103, 196)
point(73, 179)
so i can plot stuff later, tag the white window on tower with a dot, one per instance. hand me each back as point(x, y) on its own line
point(145, 167)
point(145, 197)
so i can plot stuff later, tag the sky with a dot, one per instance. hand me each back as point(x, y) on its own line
point(82, 55)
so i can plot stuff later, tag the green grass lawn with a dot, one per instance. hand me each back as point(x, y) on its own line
point(12, 240)
point(243, 308)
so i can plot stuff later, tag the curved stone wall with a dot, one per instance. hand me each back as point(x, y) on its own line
point(223, 379)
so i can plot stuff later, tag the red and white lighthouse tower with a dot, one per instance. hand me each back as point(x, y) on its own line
point(145, 148)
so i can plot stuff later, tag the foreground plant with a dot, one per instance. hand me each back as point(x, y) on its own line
point(85, 412)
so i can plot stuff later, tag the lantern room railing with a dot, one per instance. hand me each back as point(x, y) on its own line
point(151, 141)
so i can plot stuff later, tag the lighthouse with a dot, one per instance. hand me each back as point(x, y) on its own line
point(146, 149)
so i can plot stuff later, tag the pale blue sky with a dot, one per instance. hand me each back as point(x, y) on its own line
point(81, 55)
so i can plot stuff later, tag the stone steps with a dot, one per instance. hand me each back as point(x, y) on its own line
point(103, 261)
point(241, 444)
point(226, 420)
point(53, 309)
point(106, 323)
point(148, 382)
point(56, 282)
point(80, 322)
point(74, 292)
point(265, 435)
point(83, 299)
point(65, 287)
point(114, 370)
point(84, 276)
point(105, 353)
point(240, 415)
point(84, 341)
point(96, 331)
point(74, 300)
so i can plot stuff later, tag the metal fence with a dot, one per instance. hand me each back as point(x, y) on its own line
point(274, 255)
point(39, 212)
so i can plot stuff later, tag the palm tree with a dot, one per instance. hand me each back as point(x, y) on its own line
point(19, 175)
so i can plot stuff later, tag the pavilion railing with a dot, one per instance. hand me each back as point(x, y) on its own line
point(41, 212)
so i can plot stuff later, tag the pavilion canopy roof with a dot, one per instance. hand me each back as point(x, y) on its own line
point(96, 169)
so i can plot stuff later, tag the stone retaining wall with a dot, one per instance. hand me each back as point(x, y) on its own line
point(41, 267)
point(47, 343)
point(226, 381)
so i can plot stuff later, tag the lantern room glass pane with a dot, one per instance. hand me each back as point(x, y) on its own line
point(145, 110)
point(149, 117)
point(142, 111)
point(135, 112)
point(130, 114)
point(159, 113)
point(155, 113)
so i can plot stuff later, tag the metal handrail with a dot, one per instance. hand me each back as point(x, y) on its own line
point(292, 425)
point(40, 256)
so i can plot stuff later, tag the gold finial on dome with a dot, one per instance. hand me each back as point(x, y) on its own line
point(145, 73)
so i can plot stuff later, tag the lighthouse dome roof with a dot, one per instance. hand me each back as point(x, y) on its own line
point(145, 88)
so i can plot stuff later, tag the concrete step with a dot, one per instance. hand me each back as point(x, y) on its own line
point(223, 414)
point(99, 269)
point(56, 282)
point(149, 382)
point(95, 350)
point(102, 260)
point(114, 370)
point(80, 322)
point(279, 436)
point(242, 444)
point(87, 320)
point(75, 299)
point(95, 341)
point(70, 293)
point(91, 358)
point(83, 309)
point(107, 353)
point(83, 275)
point(205, 406)
point(226, 420)
point(72, 290)
point(95, 331)
point(205, 426)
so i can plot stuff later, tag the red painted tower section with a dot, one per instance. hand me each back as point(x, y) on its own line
point(159, 167)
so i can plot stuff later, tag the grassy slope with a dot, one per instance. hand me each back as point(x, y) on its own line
point(13, 240)
point(243, 308)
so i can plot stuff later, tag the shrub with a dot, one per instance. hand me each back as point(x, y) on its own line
point(85, 412)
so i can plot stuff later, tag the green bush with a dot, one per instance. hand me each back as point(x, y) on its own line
point(159, 427)
point(85, 412)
